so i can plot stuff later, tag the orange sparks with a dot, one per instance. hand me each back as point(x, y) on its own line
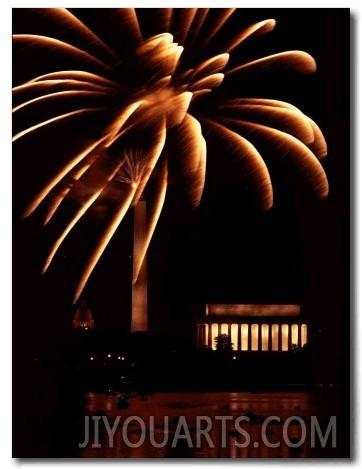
point(59, 176)
point(103, 242)
point(161, 96)
point(50, 121)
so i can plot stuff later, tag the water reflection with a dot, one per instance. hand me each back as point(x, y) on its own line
point(222, 410)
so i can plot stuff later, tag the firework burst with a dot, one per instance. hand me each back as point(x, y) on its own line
point(157, 97)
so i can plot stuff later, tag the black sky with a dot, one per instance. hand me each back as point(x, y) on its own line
point(226, 251)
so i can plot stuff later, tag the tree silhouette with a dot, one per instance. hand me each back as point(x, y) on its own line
point(223, 343)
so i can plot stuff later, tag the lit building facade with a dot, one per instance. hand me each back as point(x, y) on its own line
point(253, 327)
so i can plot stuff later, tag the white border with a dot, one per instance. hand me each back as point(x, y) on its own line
point(5, 230)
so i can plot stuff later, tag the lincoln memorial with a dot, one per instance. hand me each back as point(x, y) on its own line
point(253, 327)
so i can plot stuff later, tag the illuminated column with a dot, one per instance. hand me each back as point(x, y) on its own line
point(285, 337)
point(244, 337)
point(265, 339)
point(210, 336)
point(219, 329)
point(234, 335)
point(255, 337)
point(139, 321)
point(295, 334)
point(275, 337)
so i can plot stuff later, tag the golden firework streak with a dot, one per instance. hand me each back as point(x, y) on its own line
point(51, 42)
point(212, 65)
point(296, 59)
point(108, 138)
point(59, 176)
point(76, 218)
point(45, 84)
point(255, 165)
point(114, 129)
point(211, 81)
point(166, 18)
point(224, 16)
point(156, 152)
point(192, 157)
point(258, 28)
point(291, 121)
point(160, 199)
point(197, 25)
point(290, 146)
point(161, 102)
point(77, 75)
point(319, 145)
point(58, 94)
point(129, 17)
point(92, 38)
point(50, 121)
point(59, 198)
point(103, 242)
point(187, 19)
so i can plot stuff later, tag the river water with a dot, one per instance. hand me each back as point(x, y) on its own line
point(133, 438)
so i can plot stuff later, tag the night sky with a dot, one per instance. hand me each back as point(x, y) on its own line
point(226, 251)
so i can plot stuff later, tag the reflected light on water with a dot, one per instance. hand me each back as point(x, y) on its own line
point(167, 408)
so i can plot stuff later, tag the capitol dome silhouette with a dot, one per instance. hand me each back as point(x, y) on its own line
point(83, 318)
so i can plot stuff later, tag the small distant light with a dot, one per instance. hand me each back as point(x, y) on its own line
point(118, 358)
point(86, 328)
point(234, 357)
point(122, 358)
point(92, 358)
point(109, 355)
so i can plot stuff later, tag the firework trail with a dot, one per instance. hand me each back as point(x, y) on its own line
point(168, 81)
